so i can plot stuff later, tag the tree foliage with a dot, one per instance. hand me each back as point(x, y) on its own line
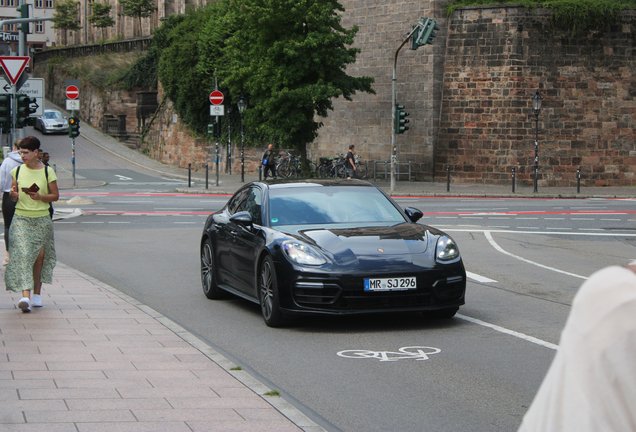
point(65, 16)
point(100, 16)
point(138, 9)
point(288, 58)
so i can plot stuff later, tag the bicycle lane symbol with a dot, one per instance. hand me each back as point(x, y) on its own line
point(416, 352)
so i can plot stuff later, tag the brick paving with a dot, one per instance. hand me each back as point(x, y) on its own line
point(94, 359)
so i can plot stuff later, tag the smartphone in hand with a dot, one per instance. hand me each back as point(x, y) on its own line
point(32, 189)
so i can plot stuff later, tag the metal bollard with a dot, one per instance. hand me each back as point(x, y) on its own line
point(189, 174)
point(513, 179)
point(260, 172)
point(206, 175)
point(578, 180)
point(447, 178)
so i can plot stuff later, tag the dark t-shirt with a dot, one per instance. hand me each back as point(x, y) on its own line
point(270, 155)
point(350, 160)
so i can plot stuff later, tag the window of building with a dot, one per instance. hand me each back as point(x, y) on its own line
point(9, 3)
point(39, 26)
point(38, 3)
point(48, 4)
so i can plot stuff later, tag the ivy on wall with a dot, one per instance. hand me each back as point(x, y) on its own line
point(578, 16)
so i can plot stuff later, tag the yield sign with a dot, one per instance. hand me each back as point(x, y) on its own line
point(13, 67)
point(216, 97)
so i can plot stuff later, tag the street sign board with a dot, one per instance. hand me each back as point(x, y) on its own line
point(72, 105)
point(72, 92)
point(33, 88)
point(13, 67)
point(216, 97)
point(217, 110)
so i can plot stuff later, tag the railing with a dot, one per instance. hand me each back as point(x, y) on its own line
point(385, 170)
point(140, 44)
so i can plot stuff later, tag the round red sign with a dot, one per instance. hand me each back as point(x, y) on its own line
point(72, 92)
point(216, 97)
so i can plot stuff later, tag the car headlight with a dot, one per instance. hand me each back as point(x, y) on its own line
point(301, 253)
point(446, 250)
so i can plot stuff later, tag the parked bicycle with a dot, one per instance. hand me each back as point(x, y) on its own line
point(291, 166)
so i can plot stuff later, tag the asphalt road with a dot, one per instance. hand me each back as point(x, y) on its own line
point(477, 372)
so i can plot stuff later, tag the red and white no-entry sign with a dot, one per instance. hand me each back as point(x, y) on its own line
point(216, 97)
point(72, 92)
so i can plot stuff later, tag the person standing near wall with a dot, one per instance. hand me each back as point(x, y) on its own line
point(269, 162)
point(31, 242)
point(351, 162)
point(12, 160)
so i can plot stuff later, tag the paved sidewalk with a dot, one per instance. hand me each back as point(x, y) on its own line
point(95, 359)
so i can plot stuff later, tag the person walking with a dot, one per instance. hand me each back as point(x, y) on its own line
point(31, 242)
point(269, 162)
point(351, 162)
point(12, 160)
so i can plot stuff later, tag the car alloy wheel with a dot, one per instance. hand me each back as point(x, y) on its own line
point(268, 294)
point(208, 276)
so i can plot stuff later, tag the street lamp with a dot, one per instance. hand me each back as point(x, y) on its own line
point(536, 106)
point(242, 106)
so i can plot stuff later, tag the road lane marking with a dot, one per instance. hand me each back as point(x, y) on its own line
point(504, 330)
point(500, 249)
point(479, 278)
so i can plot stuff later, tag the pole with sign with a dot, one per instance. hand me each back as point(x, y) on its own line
point(72, 104)
point(216, 109)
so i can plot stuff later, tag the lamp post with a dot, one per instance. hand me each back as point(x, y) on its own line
point(242, 106)
point(536, 106)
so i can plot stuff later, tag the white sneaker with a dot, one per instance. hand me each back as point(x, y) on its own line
point(24, 304)
point(36, 300)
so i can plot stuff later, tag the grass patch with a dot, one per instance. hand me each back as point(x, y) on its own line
point(273, 393)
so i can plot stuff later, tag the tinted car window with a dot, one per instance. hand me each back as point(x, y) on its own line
point(253, 204)
point(325, 205)
point(238, 201)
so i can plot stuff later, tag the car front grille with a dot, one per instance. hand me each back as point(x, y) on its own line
point(347, 294)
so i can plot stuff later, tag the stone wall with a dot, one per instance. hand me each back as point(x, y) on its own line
point(496, 60)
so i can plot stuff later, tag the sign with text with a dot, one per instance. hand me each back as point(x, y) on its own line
point(217, 110)
point(33, 88)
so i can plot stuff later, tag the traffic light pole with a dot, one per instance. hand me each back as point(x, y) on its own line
point(394, 109)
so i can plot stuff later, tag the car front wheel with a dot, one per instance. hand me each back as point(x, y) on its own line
point(268, 294)
point(208, 272)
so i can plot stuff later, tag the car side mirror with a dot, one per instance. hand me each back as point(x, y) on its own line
point(413, 214)
point(242, 218)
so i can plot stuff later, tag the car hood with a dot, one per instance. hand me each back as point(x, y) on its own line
point(53, 121)
point(345, 245)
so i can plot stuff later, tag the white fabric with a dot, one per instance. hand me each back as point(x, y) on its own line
point(12, 160)
point(591, 384)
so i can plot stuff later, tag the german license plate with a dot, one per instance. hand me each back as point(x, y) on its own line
point(390, 284)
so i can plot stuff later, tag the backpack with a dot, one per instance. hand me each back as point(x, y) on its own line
point(46, 173)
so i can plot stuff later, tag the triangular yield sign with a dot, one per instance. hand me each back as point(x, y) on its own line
point(13, 67)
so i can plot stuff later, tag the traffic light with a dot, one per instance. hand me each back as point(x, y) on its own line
point(24, 13)
point(24, 111)
point(5, 112)
point(425, 34)
point(213, 129)
point(400, 120)
point(73, 127)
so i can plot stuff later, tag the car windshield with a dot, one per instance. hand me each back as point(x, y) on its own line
point(53, 115)
point(330, 205)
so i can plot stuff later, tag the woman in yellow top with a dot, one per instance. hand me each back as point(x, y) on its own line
point(31, 241)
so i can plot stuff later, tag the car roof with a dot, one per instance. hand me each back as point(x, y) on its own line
point(306, 183)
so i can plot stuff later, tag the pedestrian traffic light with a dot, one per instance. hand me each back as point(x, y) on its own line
point(73, 127)
point(24, 111)
point(425, 34)
point(400, 119)
point(213, 129)
point(24, 13)
point(5, 112)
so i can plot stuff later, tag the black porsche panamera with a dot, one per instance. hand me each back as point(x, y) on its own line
point(329, 247)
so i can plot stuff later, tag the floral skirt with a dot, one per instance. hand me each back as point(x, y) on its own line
point(27, 237)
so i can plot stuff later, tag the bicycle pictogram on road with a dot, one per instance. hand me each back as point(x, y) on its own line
point(415, 352)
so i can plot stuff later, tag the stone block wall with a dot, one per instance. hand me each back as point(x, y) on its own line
point(496, 60)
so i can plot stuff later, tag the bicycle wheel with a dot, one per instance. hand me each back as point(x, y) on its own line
point(341, 171)
point(361, 170)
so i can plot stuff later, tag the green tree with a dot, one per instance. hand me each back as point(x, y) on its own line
point(65, 17)
point(289, 58)
point(100, 16)
point(138, 9)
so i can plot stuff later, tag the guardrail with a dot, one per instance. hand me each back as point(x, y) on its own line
point(140, 44)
